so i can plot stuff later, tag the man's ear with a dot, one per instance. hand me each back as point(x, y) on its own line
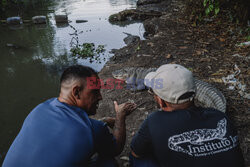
point(76, 92)
point(158, 100)
point(161, 102)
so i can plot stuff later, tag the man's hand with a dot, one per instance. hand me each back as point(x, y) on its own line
point(124, 109)
point(119, 130)
point(110, 121)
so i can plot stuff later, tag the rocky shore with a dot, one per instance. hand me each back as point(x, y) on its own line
point(209, 49)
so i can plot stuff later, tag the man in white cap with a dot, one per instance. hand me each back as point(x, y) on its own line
point(181, 134)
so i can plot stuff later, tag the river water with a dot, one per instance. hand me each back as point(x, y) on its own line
point(33, 56)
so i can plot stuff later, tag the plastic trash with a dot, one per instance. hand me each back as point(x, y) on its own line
point(14, 20)
point(244, 44)
point(39, 19)
point(235, 84)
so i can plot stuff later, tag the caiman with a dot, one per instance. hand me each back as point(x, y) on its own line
point(206, 94)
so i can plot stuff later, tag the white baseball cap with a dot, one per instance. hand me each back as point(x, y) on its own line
point(170, 82)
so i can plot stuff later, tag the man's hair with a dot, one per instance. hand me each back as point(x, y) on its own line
point(76, 72)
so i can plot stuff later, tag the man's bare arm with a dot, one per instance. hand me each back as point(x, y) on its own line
point(119, 130)
point(110, 121)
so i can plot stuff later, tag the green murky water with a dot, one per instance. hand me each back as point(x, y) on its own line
point(30, 70)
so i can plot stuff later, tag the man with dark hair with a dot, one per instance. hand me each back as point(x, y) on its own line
point(181, 134)
point(59, 132)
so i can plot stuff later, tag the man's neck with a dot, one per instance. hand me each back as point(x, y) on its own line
point(172, 107)
point(66, 99)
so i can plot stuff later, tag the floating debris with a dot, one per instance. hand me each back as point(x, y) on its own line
point(81, 21)
point(39, 19)
point(61, 18)
point(14, 20)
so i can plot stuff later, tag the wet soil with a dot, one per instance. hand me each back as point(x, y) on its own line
point(206, 48)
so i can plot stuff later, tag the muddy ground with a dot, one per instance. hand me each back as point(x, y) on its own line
point(206, 48)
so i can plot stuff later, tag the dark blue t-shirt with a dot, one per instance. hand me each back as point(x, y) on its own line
point(55, 134)
point(195, 137)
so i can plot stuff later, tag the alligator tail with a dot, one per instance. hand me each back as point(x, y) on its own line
point(210, 96)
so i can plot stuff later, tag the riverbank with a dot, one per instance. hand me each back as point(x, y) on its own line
point(209, 49)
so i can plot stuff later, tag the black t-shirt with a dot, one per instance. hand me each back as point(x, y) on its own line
point(193, 138)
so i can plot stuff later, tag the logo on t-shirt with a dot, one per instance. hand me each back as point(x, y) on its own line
point(203, 142)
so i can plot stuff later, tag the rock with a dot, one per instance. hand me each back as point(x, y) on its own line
point(113, 51)
point(133, 14)
point(39, 19)
point(155, 7)
point(145, 2)
point(61, 18)
point(81, 21)
point(122, 16)
point(151, 27)
point(131, 39)
point(14, 20)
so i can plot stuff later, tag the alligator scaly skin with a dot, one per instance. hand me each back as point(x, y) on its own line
point(206, 94)
point(209, 96)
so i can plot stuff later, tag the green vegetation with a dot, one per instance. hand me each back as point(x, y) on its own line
point(247, 32)
point(23, 7)
point(87, 50)
point(210, 6)
point(138, 48)
point(248, 38)
point(237, 11)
